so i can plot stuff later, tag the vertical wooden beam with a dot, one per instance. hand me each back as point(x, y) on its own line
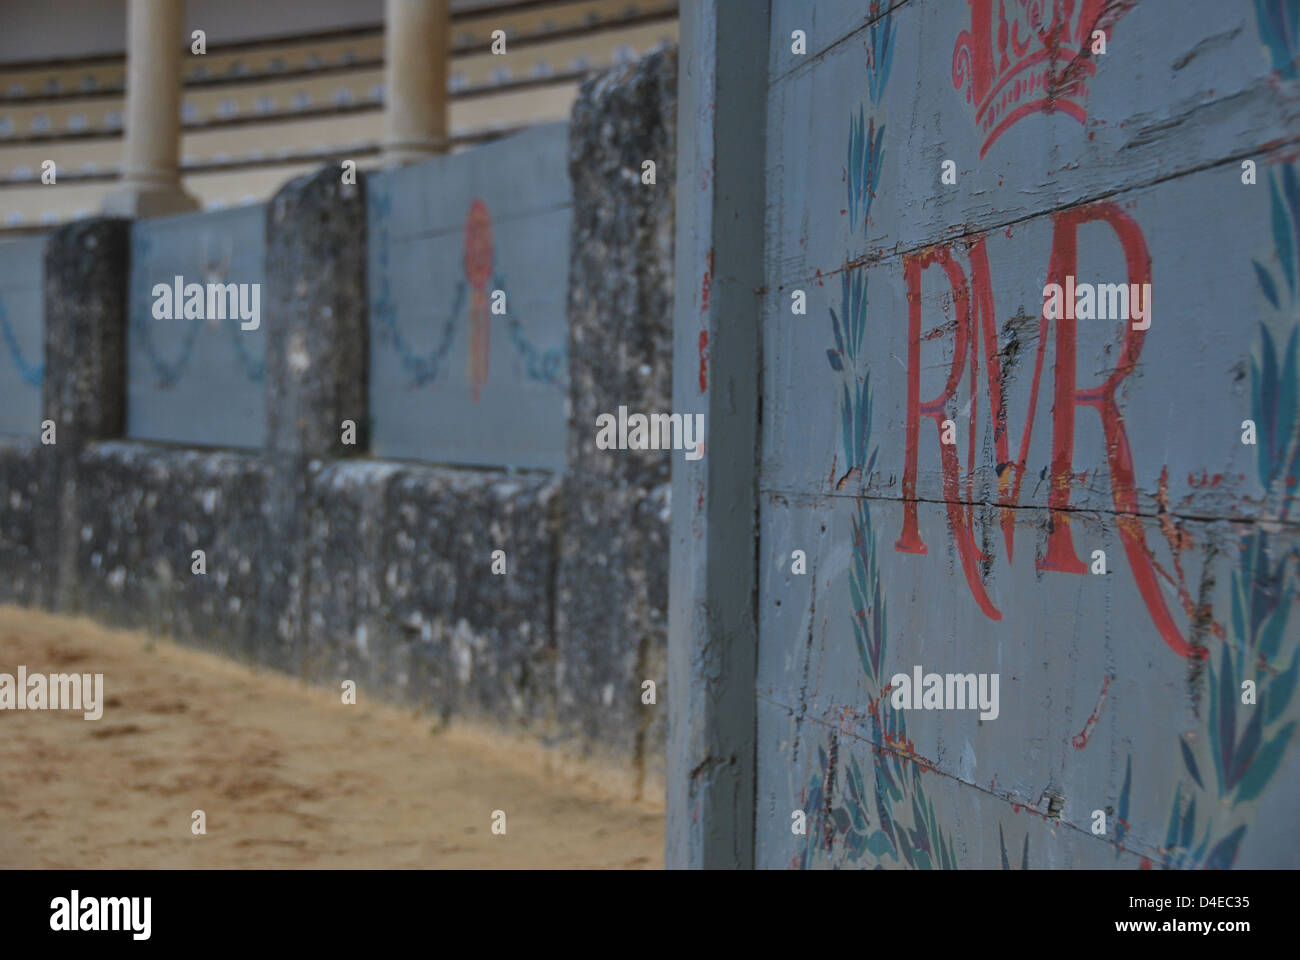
point(712, 623)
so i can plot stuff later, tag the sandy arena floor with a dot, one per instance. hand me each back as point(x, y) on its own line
point(287, 775)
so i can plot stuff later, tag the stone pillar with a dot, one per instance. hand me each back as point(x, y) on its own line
point(84, 391)
point(317, 366)
point(417, 34)
point(317, 362)
point(612, 593)
point(151, 164)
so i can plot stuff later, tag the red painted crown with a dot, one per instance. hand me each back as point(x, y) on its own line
point(1025, 63)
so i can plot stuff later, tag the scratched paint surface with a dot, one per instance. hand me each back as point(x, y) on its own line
point(198, 379)
point(1118, 692)
point(22, 331)
point(450, 380)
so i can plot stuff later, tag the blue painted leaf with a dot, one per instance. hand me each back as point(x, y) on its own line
point(1213, 727)
point(1238, 614)
point(879, 844)
point(1124, 791)
point(1225, 851)
point(1288, 407)
point(1270, 637)
point(834, 359)
point(1171, 835)
point(1244, 754)
point(1257, 777)
point(1266, 285)
point(835, 328)
point(1291, 190)
point(1282, 234)
point(1189, 824)
point(1278, 696)
point(1227, 732)
point(1266, 415)
point(1190, 762)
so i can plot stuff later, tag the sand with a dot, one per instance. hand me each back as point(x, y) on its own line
point(287, 775)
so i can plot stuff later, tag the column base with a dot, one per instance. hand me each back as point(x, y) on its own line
point(408, 152)
point(139, 200)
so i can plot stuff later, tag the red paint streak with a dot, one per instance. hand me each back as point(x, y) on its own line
point(706, 286)
point(478, 271)
point(1179, 542)
point(1145, 865)
point(975, 319)
point(1081, 741)
point(706, 289)
point(704, 360)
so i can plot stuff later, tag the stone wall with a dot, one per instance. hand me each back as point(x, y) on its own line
point(613, 592)
point(331, 565)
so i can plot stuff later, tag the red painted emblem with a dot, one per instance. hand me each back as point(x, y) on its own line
point(1021, 62)
point(478, 272)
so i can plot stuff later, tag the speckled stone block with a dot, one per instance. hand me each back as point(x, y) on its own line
point(402, 596)
point(143, 511)
point(613, 578)
point(21, 573)
point(316, 315)
point(84, 390)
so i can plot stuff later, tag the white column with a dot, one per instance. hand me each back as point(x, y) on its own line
point(416, 39)
point(151, 182)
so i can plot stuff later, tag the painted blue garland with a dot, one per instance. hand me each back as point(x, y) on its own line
point(422, 369)
point(32, 374)
point(543, 367)
point(169, 373)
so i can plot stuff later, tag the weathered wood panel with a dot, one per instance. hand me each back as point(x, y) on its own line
point(451, 380)
point(22, 335)
point(1160, 692)
point(197, 379)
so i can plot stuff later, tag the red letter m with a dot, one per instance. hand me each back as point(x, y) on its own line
point(975, 321)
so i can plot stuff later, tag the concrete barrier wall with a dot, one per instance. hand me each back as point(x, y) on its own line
point(22, 333)
point(264, 529)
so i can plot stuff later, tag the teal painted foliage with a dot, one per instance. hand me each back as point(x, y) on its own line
point(1241, 745)
point(1279, 29)
point(852, 817)
point(33, 374)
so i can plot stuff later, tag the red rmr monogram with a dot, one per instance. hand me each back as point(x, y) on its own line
point(1061, 555)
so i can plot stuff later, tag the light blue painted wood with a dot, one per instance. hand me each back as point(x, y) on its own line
point(22, 335)
point(451, 382)
point(196, 381)
point(1104, 701)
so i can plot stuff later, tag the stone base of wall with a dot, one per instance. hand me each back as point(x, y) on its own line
point(389, 583)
